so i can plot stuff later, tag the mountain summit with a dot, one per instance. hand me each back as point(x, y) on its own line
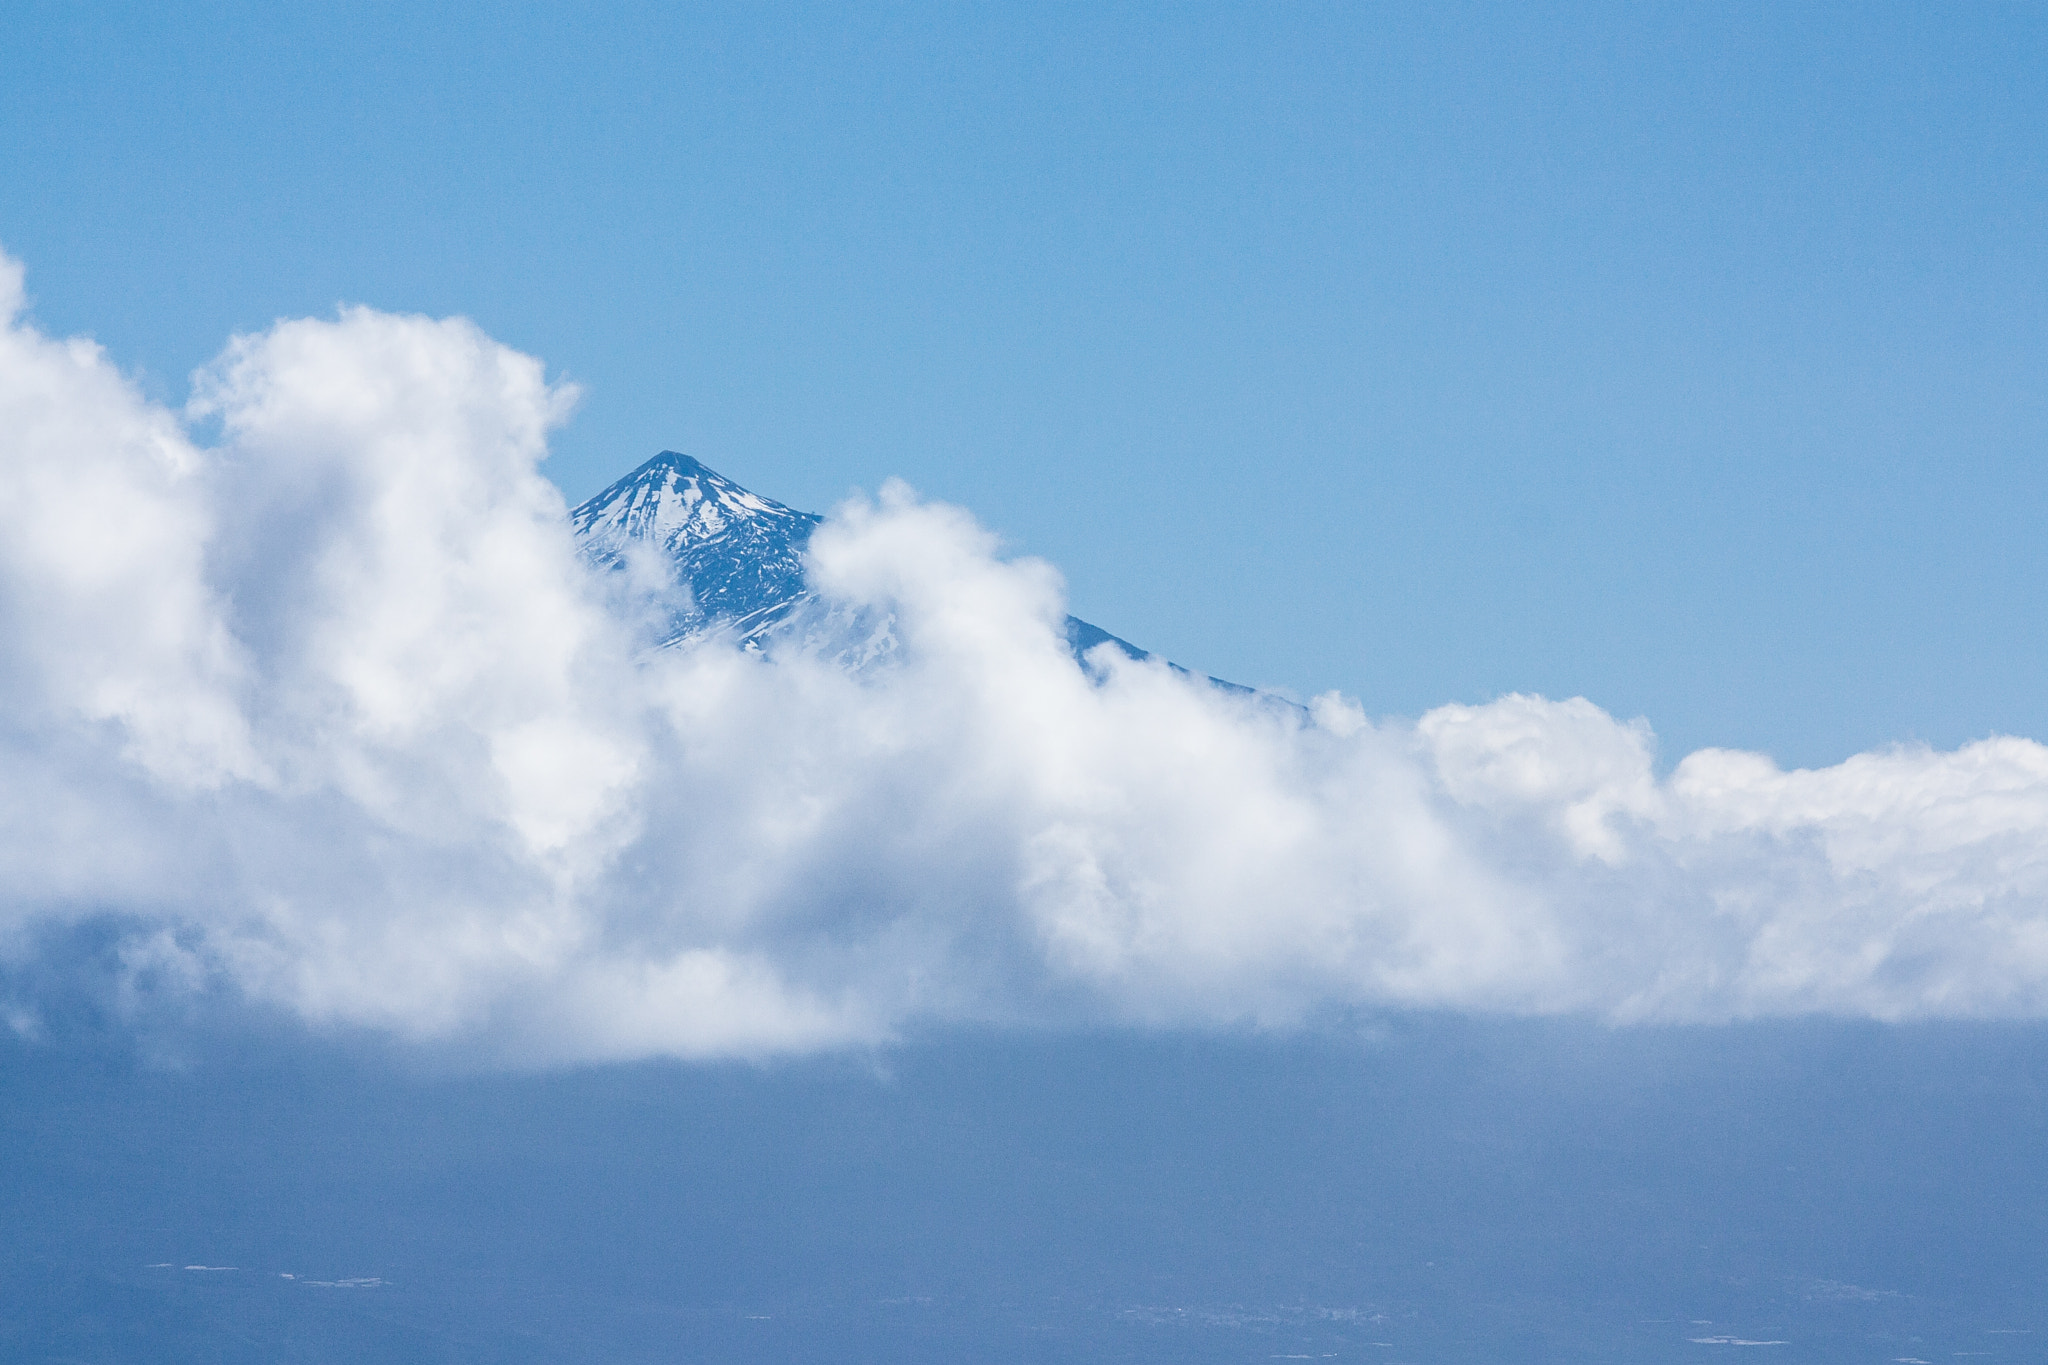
point(739, 555)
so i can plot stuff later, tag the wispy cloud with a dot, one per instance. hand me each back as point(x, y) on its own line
point(329, 715)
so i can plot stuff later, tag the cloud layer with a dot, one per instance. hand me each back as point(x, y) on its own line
point(328, 715)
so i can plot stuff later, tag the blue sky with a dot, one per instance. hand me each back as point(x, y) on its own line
point(1686, 360)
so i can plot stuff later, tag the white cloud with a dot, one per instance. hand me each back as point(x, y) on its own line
point(330, 715)
point(103, 593)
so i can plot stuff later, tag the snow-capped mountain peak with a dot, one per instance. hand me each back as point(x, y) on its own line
point(738, 555)
point(676, 501)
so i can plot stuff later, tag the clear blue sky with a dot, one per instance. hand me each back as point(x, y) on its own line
point(1690, 359)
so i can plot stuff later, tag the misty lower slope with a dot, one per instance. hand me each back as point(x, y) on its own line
point(1448, 1191)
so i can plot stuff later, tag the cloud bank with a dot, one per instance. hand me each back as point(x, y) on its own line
point(327, 715)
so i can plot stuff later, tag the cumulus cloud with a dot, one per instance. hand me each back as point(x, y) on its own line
point(328, 715)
